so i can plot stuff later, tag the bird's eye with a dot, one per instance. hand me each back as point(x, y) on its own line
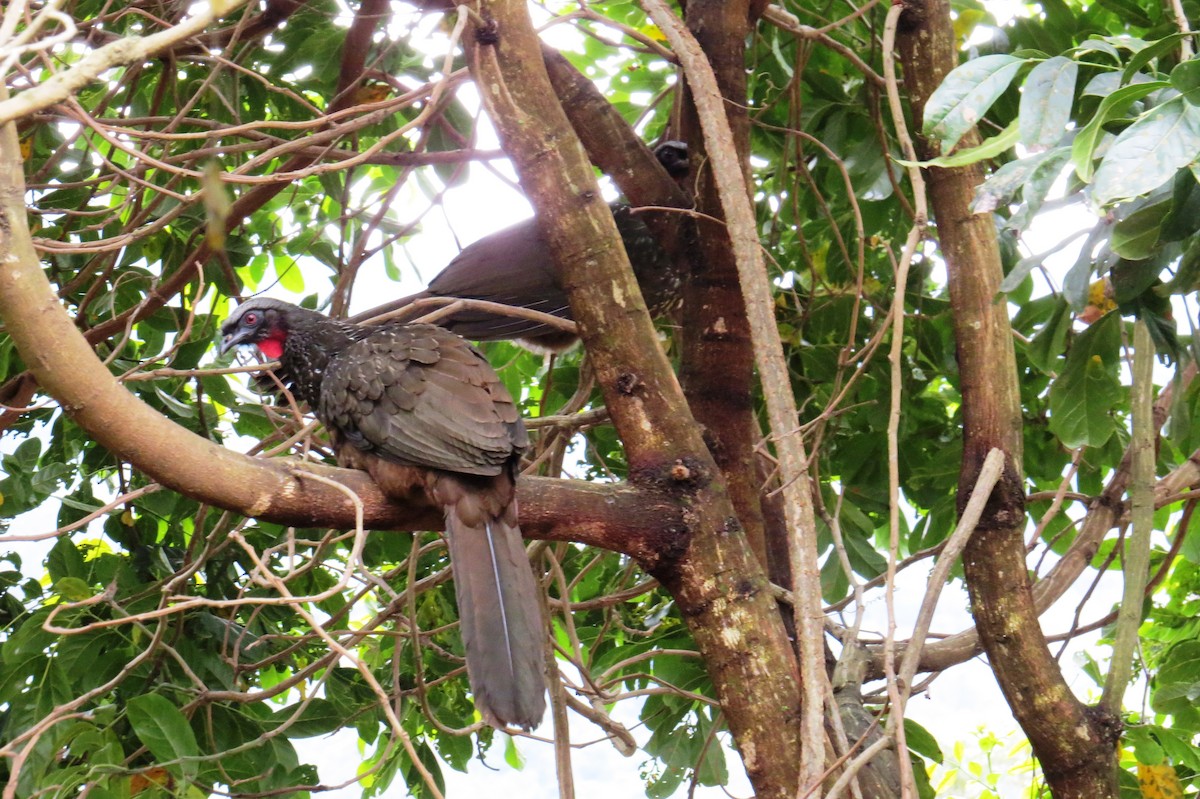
point(250, 318)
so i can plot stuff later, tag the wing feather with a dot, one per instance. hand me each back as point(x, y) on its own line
point(421, 396)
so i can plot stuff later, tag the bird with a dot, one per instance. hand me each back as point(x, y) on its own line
point(514, 267)
point(423, 413)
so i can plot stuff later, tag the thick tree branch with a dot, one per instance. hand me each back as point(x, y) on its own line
point(1074, 743)
point(773, 374)
point(718, 585)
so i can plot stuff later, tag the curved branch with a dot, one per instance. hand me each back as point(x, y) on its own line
point(637, 522)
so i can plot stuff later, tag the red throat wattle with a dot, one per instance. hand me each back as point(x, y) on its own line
point(272, 347)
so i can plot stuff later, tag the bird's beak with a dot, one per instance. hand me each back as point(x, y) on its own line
point(231, 340)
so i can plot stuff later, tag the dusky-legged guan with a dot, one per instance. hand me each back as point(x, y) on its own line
point(422, 411)
point(513, 267)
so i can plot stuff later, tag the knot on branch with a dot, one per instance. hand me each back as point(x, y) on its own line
point(1106, 725)
point(628, 383)
point(913, 16)
point(683, 475)
point(670, 545)
point(1005, 508)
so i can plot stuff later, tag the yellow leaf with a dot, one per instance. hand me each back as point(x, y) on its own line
point(127, 518)
point(652, 32)
point(965, 22)
point(372, 93)
point(217, 204)
point(1159, 782)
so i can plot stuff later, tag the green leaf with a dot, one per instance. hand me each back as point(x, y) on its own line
point(1186, 80)
point(289, 274)
point(179, 408)
point(1129, 11)
point(966, 95)
point(1149, 152)
point(1083, 148)
point(318, 717)
point(1084, 395)
point(1177, 684)
point(1145, 748)
point(163, 729)
point(1142, 58)
point(65, 561)
point(1046, 102)
point(990, 148)
point(1136, 236)
point(512, 755)
point(1003, 184)
point(1047, 345)
point(73, 589)
point(921, 741)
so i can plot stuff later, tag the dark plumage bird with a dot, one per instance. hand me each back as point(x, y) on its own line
point(423, 412)
point(514, 267)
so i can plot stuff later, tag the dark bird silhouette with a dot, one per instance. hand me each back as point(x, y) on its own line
point(423, 412)
point(513, 267)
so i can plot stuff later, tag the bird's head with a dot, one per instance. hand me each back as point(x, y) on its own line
point(673, 155)
point(262, 322)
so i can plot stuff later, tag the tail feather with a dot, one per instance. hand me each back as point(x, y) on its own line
point(500, 619)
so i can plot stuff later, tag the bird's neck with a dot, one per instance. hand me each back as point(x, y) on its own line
point(308, 349)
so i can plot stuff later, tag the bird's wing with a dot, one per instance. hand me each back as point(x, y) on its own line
point(512, 267)
point(421, 396)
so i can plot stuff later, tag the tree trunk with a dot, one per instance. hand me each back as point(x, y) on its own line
point(1074, 743)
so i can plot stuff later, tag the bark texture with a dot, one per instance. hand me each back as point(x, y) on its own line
point(716, 580)
point(1074, 743)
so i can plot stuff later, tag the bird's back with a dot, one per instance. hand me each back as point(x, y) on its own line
point(419, 395)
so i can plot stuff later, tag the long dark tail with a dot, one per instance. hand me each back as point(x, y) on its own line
point(499, 614)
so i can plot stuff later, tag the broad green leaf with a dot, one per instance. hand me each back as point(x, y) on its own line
point(1087, 391)
point(1136, 236)
point(1106, 83)
point(1083, 147)
point(966, 95)
point(1145, 748)
point(1178, 681)
point(921, 741)
point(163, 729)
point(73, 589)
point(1009, 179)
point(1149, 152)
point(289, 274)
point(1047, 345)
point(1037, 188)
point(512, 755)
point(1130, 11)
point(1046, 102)
point(318, 717)
point(1078, 280)
point(1142, 58)
point(65, 560)
point(1186, 80)
point(990, 148)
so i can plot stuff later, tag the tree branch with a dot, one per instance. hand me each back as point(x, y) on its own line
point(123, 51)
